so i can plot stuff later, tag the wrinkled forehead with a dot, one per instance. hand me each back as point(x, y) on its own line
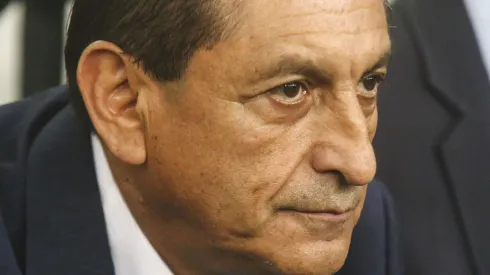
point(338, 23)
point(338, 35)
point(369, 13)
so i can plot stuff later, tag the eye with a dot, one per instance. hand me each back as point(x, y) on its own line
point(289, 93)
point(368, 87)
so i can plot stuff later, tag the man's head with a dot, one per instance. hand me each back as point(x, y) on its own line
point(238, 131)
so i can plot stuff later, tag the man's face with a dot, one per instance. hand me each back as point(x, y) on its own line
point(263, 148)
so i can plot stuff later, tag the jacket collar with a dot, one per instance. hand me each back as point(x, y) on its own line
point(65, 226)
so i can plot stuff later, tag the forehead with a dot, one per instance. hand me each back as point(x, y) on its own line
point(333, 23)
point(343, 16)
point(346, 35)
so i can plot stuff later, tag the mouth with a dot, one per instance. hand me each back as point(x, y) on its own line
point(321, 224)
point(332, 216)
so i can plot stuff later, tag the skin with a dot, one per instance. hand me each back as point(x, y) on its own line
point(223, 168)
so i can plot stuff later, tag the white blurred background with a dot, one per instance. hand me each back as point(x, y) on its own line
point(11, 38)
point(10, 52)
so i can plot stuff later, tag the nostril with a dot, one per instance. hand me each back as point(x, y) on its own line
point(353, 158)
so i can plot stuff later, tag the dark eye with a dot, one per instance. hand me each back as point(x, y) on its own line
point(290, 93)
point(369, 85)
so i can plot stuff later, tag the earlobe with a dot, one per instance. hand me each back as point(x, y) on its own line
point(111, 101)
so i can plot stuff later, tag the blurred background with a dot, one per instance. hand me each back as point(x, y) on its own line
point(28, 67)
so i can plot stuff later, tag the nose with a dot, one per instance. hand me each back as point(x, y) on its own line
point(344, 145)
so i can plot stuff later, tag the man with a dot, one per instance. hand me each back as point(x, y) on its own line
point(228, 137)
point(433, 141)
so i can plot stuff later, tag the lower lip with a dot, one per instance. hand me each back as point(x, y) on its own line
point(321, 226)
point(325, 216)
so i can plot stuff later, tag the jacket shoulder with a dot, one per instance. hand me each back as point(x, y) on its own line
point(19, 119)
point(20, 123)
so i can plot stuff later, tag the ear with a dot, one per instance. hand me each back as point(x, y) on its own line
point(110, 98)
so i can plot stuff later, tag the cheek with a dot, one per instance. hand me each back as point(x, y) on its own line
point(220, 169)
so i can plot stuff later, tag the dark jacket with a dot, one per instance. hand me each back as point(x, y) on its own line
point(52, 218)
point(433, 140)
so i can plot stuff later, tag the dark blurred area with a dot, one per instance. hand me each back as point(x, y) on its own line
point(42, 43)
point(3, 4)
point(432, 143)
point(42, 59)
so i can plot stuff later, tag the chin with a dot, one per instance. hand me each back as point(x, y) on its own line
point(292, 246)
point(312, 258)
point(316, 258)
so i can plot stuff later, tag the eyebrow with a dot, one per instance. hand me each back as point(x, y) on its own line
point(381, 63)
point(297, 64)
